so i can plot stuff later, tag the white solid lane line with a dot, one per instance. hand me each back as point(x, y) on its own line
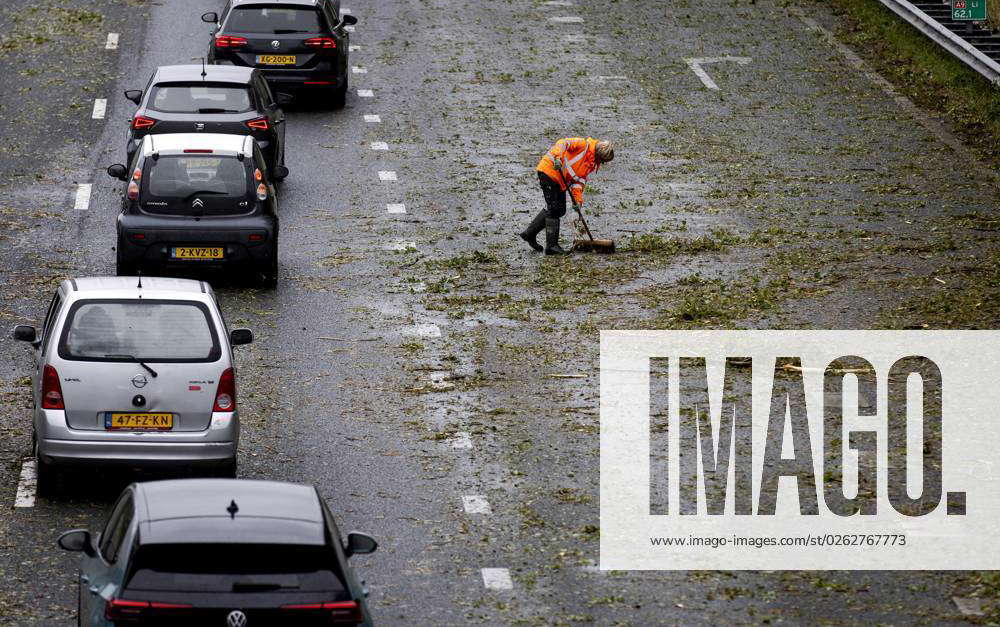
point(112, 43)
point(570, 19)
point(359, 70)
point(373, 119)
point(497, 579)
point(379, 146)
point(461, 440)
point(384, 175)
point(476, 504)
point(26, 485)
point(395, 208)
point(100, 108)
point(83, 196)
point(365, 93)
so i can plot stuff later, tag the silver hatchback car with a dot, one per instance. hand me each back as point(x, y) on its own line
point(135, 372)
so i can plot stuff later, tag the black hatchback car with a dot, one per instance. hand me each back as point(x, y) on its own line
point(219, 552)
point(198, 202)
point(300, 45)
point(209, 99)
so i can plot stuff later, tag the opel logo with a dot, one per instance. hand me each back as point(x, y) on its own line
point(199, 126)
point(236, 618)
point(198, 202)
point(139, 381)
point(275, 44)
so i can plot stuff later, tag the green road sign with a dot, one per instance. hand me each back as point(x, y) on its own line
point(968, 10)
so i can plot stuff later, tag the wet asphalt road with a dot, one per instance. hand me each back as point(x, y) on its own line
point(350, 386)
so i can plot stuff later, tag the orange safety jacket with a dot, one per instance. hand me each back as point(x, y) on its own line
point(569, 162)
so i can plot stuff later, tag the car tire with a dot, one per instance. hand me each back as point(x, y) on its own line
point(269, 278)
point(47, 479)
point(227, 470)
point(121, 267)
point(339, 99)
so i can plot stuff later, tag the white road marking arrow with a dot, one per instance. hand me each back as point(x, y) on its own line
point(695, 64)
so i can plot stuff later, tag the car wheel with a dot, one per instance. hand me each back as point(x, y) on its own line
point(227, 470)
point(269, 278)
point(121, 267)
point(340, 96)
point(46, 478)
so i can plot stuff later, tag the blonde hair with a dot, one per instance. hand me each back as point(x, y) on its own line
point(605, 151)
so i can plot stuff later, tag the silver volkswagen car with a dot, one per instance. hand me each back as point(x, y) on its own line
point(134, 371)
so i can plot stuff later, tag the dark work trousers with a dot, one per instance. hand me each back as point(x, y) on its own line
point(555, 198)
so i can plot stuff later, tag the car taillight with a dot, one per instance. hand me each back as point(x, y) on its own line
point(257, 237)
point(123, 609)
point(138, 237)
point(52, 397)
point(141, 122)
point(262, 192)
point(225, 397)
point(345, 612)
point(228, 41)
point(133, 191)
point(260, 124)
point(321, 43)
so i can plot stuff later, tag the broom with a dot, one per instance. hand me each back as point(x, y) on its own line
point(604, 246)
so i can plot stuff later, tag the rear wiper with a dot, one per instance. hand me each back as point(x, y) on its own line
point(204, 192)
point(250, 586)
point(216, 110)
point(135, 359)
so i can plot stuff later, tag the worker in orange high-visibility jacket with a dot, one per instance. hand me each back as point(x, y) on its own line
point(565, 166)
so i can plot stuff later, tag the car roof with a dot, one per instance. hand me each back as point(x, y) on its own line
point(177, 143)
point(193, 511)
point(213, 73)
point(128, 287)
point(302, 3)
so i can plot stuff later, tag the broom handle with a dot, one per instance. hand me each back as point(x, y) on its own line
point(580, 213)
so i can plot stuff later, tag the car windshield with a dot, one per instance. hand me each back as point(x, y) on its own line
point(146, 330)
point(274, 20)
point(200, 98)
point(239, 568)
point(195, 185)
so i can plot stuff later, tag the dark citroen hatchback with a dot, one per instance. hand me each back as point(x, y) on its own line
point(209, 99)
point(198, 203)
point(298, 44)
point(220, 552)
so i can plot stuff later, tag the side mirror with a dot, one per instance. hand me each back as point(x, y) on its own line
point(211, 18)
point(25, 333)
point(280, 172)
point(284, 98)
point(135, 95)
point(238, 337)
point(360, 544)
point(117, 171)
point(350, 20)
point(77, 540)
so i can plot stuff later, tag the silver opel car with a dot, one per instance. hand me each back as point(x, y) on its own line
point(134, 371)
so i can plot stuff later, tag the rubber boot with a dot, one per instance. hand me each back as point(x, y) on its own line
point(531, 233)
point(552, 237)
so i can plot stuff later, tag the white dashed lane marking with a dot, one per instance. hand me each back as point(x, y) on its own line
point(344, 11)
point(83, 196)
point(395, 208)
point(401, 245)
point(100, 108)
point(387, 175)
point(373, 119)
point(353, 48)
point(365, 93)
point(25, 496)
point(497, 579)
point(349, 29)
point(461, 440)
point(569, 19)
point(476, 504)
point(112, 43)
point(359, 70)
point(423, 330)
point(696, 63)
point(558, 3)
point(379, 146)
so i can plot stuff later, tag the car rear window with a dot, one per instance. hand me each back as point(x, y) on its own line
point(196, 185)
point(249, 568)
point(275, 20)
point(200, 98)
point(148, 330)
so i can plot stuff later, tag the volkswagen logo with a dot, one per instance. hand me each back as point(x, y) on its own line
point(198, 202)
point(199, 126)
point(275, 44)
point(236, 618)
point(140, 381)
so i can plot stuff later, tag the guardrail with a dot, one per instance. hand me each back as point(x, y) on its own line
point(958, 47)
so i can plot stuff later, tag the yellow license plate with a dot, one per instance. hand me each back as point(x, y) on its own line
point(276, 59)
point(139, 422)
point(196, 253)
